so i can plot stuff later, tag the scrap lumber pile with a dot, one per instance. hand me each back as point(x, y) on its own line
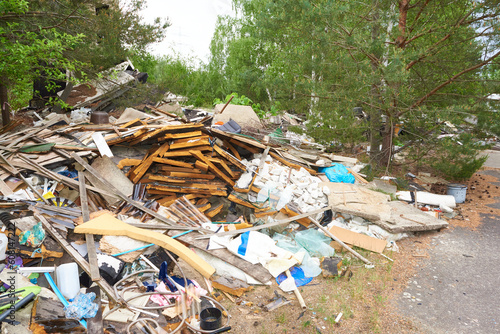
point(131, 202)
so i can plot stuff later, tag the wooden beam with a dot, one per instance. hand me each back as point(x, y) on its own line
point(89, 238)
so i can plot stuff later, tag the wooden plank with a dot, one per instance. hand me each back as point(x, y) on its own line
point(206, 184)
point(181, 135)
point(198, 155)
point(186, 190)
point(245, 146)
point(112, 188)
point(291, 164)
point(193, 175)
point(204, 207)
point(73, 253)
point(240, 201)
point(230, 158)
point(189, 144)
point(202, 166)
point(150, 134)
point(173, 162)
point(191, 139)
point(237, 137)
point(167, 170)
point(214, 211)
point(224, 166)
point(232, 149)
point(129, 123)
point(185, 153)
point(89, 238)
point(128, 162)
point(138, 172)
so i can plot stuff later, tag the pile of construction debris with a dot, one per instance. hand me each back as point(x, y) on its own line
point(115, 211)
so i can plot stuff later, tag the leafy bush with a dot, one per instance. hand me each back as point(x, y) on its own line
point(457, 158)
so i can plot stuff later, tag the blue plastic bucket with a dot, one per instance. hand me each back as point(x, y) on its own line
point(457, 190)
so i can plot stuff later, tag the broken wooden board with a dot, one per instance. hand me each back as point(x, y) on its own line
point(235, 161)
point(358, 239)
point(231, 285)
point(408, 221)
point(198, 155)
point(109, 225)
point(186, 190)
point(291, 164)
point(48, 316)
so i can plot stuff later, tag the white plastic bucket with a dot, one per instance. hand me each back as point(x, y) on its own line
point(459, 191)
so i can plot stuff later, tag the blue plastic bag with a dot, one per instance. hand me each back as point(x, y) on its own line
point(82, 307)
point(298, 276)
point(337, 173)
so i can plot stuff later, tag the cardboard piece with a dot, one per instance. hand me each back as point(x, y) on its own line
point(358, 239)
point(108, 225)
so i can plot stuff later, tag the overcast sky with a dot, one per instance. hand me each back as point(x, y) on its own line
point(192, 24)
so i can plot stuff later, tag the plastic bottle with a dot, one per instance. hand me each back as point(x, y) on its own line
point(68, 281)
point(3, 246)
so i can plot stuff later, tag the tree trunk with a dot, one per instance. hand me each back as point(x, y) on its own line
point(375, 113)
point(4, 102)
point(386, 153)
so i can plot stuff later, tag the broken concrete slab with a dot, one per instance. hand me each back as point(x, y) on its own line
point(407, 218)
point(245, 116)
point(384, 186)
point(358, 200)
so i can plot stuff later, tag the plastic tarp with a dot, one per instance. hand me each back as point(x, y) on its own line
point(337, 173)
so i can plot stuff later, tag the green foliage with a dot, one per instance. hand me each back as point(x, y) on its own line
point(43, 38)
point(323, 58)
point(457, 158)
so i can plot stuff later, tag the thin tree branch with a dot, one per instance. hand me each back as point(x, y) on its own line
point(449, 81)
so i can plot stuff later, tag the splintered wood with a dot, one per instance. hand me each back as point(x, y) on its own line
point(185, 161)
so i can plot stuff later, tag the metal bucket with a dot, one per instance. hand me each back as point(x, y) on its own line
point(459, 191)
